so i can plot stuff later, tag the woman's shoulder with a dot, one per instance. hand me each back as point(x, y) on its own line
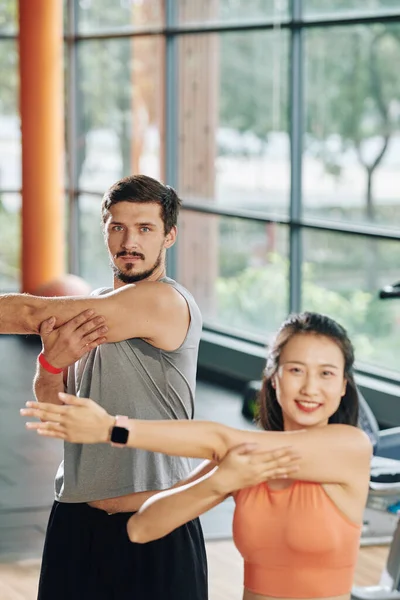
point(351, 434)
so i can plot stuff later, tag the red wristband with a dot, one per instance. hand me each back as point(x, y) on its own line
point(47, 366)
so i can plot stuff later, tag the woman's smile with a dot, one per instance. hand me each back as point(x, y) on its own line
point(307, 405)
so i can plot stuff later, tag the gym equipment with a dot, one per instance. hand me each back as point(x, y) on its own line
point(385, 486)
point(390, 291)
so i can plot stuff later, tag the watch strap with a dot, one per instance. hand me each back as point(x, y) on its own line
point(120, 421)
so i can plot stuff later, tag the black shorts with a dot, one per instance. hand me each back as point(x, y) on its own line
point(88, 556)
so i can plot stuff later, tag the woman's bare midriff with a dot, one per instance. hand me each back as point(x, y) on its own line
point(247, 595)
point(128, 503)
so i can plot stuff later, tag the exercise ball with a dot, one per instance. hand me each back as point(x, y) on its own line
point(66, 285)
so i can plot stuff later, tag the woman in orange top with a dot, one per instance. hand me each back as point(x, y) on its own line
point(299, 538)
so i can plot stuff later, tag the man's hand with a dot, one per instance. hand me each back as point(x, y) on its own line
point(246, 465)
point(77, 420)
point(67, 344)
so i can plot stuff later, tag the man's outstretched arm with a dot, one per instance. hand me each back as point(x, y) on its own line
point(24, 313)
point(151, 310)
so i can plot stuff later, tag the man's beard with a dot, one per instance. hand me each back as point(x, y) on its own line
point(127, 278)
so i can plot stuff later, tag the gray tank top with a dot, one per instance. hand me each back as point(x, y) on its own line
point(136, 379)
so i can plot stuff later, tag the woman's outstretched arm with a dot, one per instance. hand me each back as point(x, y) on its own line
point(243, 466)
point(168, 510)
point(331, 454)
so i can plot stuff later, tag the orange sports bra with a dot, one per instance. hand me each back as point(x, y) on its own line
point(295, 542)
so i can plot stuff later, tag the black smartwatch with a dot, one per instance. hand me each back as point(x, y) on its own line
point(120, 432)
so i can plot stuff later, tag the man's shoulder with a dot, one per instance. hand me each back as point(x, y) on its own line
point(179, 288)
point(164, 289)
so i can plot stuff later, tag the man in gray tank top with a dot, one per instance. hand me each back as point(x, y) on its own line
point(147, 370)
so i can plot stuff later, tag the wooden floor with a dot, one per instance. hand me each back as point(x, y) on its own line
point(18, 581)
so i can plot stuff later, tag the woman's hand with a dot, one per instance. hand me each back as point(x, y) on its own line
point(247, 465)
point(77, 420)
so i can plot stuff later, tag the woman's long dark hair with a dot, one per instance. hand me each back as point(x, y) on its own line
point(270, 413)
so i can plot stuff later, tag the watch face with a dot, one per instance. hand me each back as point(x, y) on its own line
point(119, 435)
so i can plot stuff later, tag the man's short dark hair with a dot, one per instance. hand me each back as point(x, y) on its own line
point(141, 188)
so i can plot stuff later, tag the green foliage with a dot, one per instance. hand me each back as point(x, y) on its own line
point(249, 86)
point(256, 300)
point(233, 257)
point(8, 16)
point(9, 78)
point(336, 7)
point(359, 81)
point(353, 89)
point(108, 73)
point(105, 93)
point(232, 10)
point(112, 15)
point(10, 239)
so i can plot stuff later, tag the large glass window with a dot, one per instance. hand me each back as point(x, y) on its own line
point(94, 263)
point(9, 16)
point(342, 275)
point(106, 15)
point(10, 152)
point(10, 133)
point(203, 95)
point(226, 11)
point(232, 120)
point(10, 241)
point(352, 145)
point(355, 8)
point(120, 110)
point(237, 269)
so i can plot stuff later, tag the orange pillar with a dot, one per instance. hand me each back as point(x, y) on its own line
point(41, 105)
